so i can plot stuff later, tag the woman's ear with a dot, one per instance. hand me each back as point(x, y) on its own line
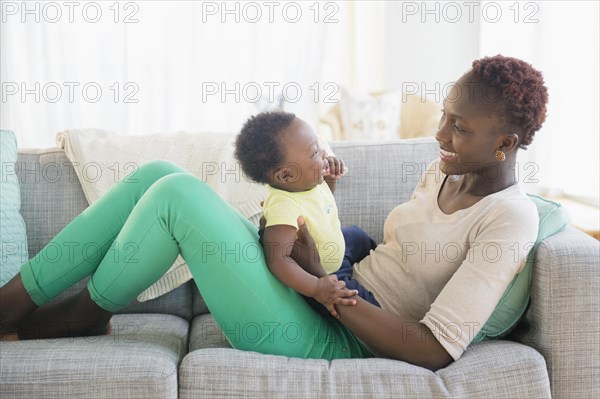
point(508, 142)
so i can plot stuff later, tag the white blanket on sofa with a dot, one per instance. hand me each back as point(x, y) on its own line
point(102, 158)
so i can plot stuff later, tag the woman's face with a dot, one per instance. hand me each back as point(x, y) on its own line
point(305, 164)
point(468, 129)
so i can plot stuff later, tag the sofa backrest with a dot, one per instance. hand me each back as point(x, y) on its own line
point(381, 176)
point(51, 196)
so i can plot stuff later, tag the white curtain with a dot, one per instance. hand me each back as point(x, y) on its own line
point(164, 66)
point(179, 65)
point(561, 39)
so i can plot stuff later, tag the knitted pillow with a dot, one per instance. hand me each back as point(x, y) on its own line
point(515, 299)
point(366, 117)
point(13, 236)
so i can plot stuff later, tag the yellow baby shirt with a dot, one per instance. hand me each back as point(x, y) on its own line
point(320, 213)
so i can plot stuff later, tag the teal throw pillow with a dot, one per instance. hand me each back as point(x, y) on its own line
point(13, 236)
point(553, 218)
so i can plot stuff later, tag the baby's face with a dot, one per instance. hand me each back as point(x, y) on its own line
point(305, 164)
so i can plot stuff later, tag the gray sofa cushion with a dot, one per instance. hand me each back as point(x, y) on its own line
point(51, 197)
point(499, 369)
point(381, 176)
point(138, 360)
point(206, 333)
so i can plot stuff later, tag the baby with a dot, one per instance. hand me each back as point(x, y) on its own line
point(283, 151)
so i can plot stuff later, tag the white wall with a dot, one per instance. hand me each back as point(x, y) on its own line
point(559, 38)
point(427, 53)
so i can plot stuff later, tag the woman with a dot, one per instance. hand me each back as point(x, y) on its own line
point(431, 308)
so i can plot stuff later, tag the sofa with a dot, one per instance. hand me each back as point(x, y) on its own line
point(171, 346)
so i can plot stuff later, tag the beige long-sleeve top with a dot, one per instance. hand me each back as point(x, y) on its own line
point(450, 271)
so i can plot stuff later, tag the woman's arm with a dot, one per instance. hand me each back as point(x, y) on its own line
point(386, 334)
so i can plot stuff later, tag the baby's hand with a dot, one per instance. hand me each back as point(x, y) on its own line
point(336, 168)
point(330, 292)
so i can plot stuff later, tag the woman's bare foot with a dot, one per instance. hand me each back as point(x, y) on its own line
point(75, 316)
point(9, 337)
point(15, 305)
point(14, 336)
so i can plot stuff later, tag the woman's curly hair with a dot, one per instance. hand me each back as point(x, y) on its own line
point(258, 148)
point(521, 92)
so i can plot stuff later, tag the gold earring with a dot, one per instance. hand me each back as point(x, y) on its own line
point(500, 155)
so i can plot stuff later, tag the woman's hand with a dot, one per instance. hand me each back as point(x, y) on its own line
point(329, 292)
point(305, 251)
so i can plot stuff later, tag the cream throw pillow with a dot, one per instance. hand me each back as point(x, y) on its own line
point(367, 117)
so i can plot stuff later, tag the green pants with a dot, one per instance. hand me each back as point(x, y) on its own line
point(130, 237)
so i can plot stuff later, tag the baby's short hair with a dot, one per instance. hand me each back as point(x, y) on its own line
point(258, 148)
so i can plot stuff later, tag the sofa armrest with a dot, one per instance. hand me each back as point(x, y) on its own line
point(563, 318)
